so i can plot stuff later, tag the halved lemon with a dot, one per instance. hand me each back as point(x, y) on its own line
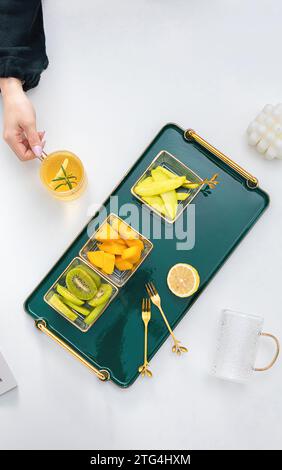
point(183, 280)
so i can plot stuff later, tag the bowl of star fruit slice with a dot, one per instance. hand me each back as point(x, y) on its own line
point(168, 186)
point(80, 295)
point(116, 250)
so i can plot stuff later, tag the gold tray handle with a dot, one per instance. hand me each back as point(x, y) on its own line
point(252, 181)
point(102, 374)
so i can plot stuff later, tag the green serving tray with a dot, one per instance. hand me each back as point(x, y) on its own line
point(114, 345)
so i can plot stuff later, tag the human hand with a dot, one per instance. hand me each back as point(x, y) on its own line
point(20, 121)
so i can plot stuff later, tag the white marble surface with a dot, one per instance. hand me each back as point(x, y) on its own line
point(118, 72)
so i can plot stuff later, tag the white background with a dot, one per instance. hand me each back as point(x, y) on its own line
point(120, 70)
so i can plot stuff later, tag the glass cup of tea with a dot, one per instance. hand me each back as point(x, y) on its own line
point(238, 340)
point(63, 174)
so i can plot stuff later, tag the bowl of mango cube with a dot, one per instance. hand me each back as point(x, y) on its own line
point(116, 250)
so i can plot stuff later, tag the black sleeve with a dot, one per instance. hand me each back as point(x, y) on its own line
point(22, 41)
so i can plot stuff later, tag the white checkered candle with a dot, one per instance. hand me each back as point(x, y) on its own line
point(265, 132)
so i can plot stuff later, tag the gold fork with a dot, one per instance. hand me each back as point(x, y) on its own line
point(155, 298)
point(146, 317)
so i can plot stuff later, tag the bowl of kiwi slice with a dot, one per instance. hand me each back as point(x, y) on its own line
point(80, 294)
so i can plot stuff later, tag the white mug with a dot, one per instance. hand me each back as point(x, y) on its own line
point(239, 335)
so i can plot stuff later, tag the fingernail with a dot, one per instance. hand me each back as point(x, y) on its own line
point(37, 150)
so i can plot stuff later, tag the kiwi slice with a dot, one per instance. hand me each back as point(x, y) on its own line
point(84, 311)
point(81, 284)
point(68, 295)
point(57, 302)
point(94, 314)
point(102, 295)
point(96, 278)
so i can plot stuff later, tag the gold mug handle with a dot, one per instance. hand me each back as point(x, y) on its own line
point(43, 156)
point(261, 369)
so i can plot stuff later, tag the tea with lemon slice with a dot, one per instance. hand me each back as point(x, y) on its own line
point(62, 173)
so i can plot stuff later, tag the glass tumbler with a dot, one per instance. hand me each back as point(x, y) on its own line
point(237, 344)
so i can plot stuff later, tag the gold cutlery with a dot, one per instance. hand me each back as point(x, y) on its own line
point(155, 298)
point(146, 317)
